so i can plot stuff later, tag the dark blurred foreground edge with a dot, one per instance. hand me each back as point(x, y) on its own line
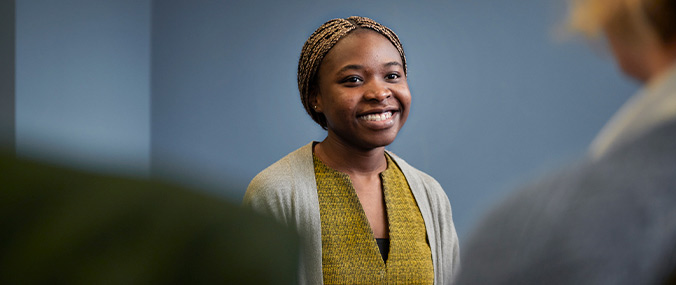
point(63, 226)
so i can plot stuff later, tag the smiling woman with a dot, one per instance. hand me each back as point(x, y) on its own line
point(363, 94)
point(364, 214)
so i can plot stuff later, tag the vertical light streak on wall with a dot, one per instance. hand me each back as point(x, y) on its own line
point(7, 102)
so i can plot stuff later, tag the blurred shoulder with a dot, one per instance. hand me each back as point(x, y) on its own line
point(581, 223)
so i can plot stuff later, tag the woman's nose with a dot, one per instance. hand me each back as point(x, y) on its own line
point(377, 91)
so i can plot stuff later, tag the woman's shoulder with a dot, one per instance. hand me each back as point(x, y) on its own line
point(281, 187)
point(279, 181)
point(423, 185)
point(282, 171)
point(413, 173)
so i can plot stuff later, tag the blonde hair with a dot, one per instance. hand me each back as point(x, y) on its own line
point(592, 17)
point(634, 17)
point(319, 44)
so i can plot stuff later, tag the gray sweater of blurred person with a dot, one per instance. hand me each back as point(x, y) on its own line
point(605, 221)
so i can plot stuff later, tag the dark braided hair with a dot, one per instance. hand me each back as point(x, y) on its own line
point(318, 45)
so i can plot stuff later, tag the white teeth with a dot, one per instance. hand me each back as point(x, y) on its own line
point(377, 117)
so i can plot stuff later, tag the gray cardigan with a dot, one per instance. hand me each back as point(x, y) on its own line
point(287, 191)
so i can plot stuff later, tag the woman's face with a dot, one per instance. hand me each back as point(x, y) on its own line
point(363, 91)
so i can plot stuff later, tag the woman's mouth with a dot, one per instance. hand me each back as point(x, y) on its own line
point(377, 117)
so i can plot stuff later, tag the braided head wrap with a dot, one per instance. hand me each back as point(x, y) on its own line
point(318, 45)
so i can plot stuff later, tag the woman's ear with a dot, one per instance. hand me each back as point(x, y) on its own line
point(316, 102)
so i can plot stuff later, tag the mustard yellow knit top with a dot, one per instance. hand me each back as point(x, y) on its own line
point(350, 254)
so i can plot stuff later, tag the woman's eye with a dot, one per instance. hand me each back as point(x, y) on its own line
point(392, 76)
point(352, 79)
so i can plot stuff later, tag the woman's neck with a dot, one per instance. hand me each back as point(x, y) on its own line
point(351, 160)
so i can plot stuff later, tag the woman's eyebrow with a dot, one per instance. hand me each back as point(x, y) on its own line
point(359, 67)
point(350, 67)
point(391, 63)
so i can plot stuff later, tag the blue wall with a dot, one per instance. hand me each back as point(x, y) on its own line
point(497, 99)
point(83, 83)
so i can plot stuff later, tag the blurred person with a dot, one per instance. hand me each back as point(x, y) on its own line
point(61, 226)
point(610, 218)
point(366, 216)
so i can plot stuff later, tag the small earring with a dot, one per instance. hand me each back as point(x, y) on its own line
point(315, 106)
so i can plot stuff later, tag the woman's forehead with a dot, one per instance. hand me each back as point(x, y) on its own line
point(362, 47)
